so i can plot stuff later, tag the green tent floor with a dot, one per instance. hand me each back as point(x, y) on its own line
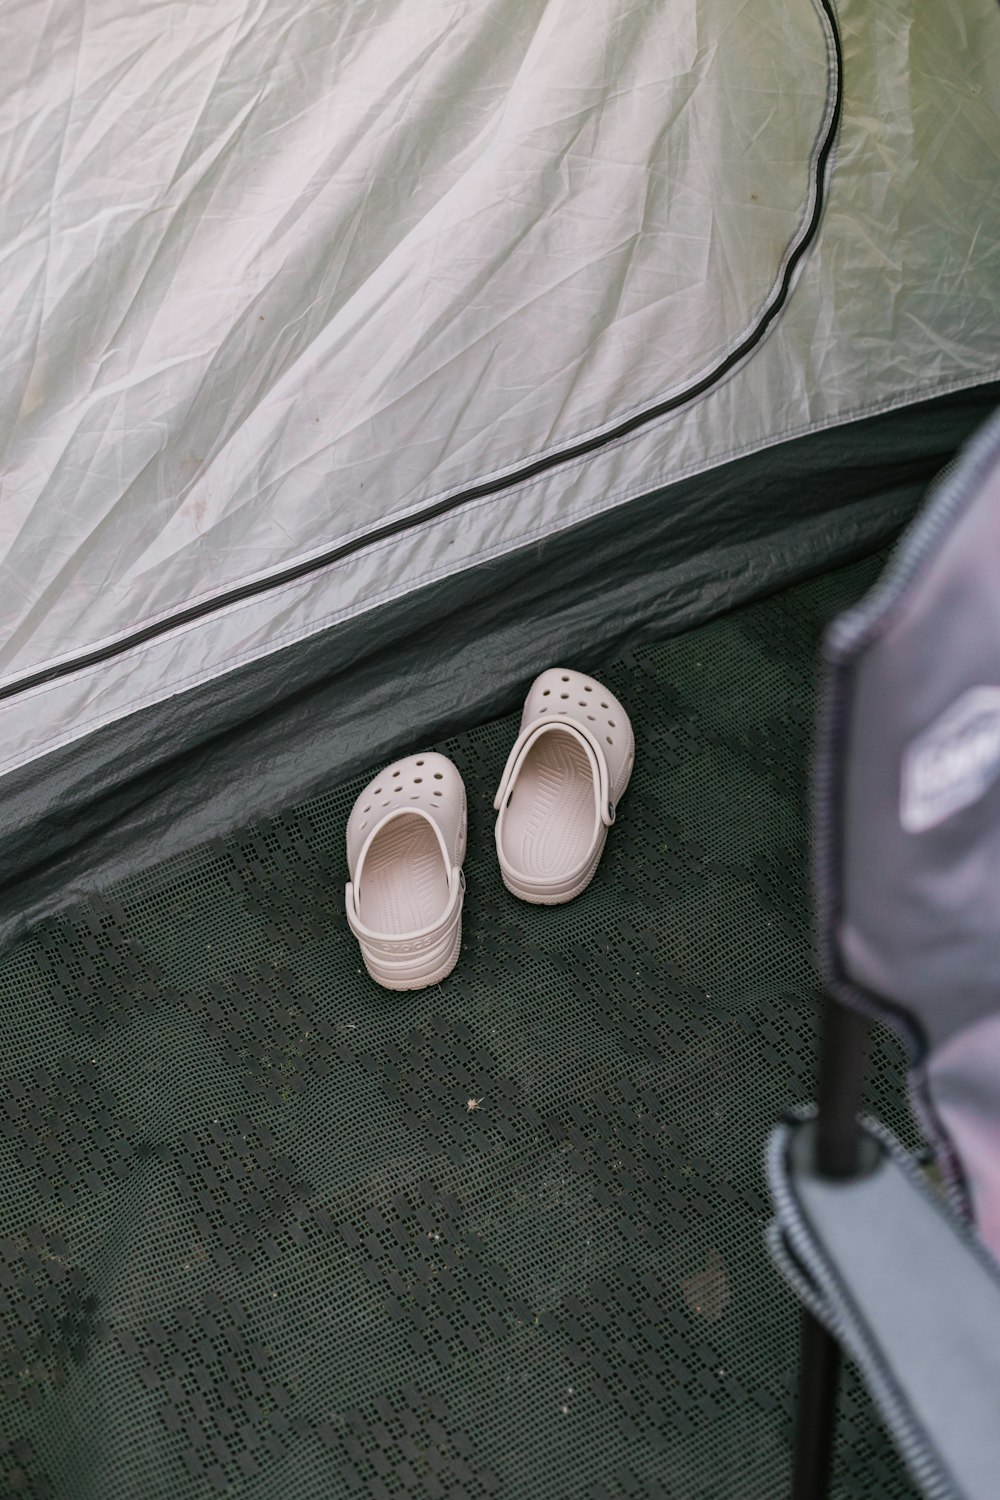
point(269, 1231)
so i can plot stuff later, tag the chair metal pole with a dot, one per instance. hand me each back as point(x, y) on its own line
point(841, 1078)
point(843, 1047)
point(819, 1368)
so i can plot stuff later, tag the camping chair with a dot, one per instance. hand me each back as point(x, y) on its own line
point(902, 1275)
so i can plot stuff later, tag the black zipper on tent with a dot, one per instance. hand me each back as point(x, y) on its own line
point(489, 487)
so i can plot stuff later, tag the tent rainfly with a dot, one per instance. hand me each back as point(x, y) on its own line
point(358, 361)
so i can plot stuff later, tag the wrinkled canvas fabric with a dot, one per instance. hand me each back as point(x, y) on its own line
point(274, 278)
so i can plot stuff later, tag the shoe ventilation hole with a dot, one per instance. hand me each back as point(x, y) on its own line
point(546, 692)
point(591, 718)
point(611, 723)
point(439, 794)
point(604, 705)
point(562, 710)
point(565, 679)
point(386, 802)
point(544, 708)
point(588, 688)
point(366, 809)
point(397, 788)
point(563, 695)
point(610, 740)
point(419, 762)
point(438, 775)
point(418, 779)
point(364, 826)
point(582, 703)
point(377, 792)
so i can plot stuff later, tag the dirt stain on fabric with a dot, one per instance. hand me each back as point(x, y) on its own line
point(708, 1292)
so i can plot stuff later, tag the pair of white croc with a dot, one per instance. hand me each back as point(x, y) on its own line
point(567, 771)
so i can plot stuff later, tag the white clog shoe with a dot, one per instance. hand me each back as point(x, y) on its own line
point(566, 774)
point(405, 846)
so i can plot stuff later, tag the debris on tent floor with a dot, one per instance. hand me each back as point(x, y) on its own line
point(268, 1229)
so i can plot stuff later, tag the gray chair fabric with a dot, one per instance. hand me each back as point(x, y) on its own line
point(907, 839)
point(908, 816)
point(911, 1295)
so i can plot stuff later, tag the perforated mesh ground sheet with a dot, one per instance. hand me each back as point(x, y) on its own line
point(271, 1231)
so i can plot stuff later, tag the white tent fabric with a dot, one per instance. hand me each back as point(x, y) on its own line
point(277, 275)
